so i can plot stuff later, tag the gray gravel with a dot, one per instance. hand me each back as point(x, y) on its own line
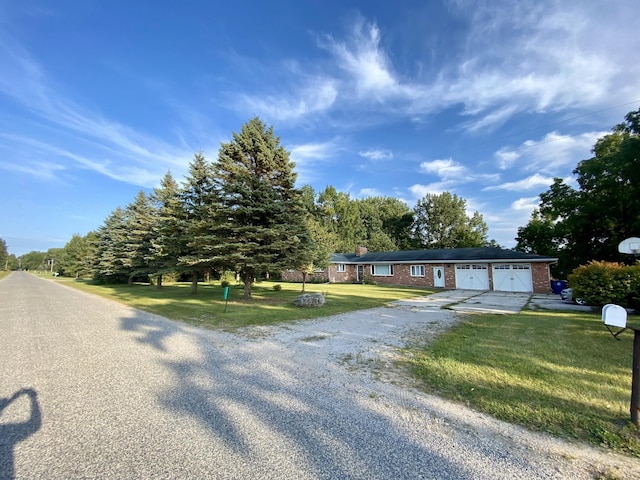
point(125, 394)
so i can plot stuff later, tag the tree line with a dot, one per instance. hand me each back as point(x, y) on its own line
point(243, 213)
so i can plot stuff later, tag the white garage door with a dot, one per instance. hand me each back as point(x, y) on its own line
point(514, 277)
point(472, 277)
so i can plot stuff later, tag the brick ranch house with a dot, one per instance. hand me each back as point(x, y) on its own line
point(485, 268)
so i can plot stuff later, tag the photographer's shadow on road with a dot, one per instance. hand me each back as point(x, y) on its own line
point(13, 432)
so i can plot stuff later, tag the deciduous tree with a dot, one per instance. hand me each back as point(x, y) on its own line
point(441, 221)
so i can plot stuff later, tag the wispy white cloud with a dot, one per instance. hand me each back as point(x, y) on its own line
point(128, 155)
point(444, 168)
point(369, 192)
point(46, 171)
point(535, 181)
point(314, 96)
point(364, 60)
point(513, 60)
point(552, 154)
point(314, 151)
point(436, 188)
point(528, 204)
point(376, 154)
point(309, 157)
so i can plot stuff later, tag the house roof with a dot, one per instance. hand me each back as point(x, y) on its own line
point(450, 255)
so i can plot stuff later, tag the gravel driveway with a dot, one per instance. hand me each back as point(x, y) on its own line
point(93, 389)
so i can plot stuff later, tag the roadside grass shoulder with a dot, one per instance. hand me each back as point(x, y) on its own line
point(556, 372)
point(4, 273)
point(268, 306)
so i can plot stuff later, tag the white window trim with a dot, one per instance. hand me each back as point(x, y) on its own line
point(420, 268)
point(341, 268)
point(373, 270)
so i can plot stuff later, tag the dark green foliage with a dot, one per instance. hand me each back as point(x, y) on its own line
point(199, 220)
point(77, 255)
point(600, 283)
point(110, 256)
point(4, 255)
point(33, 260)
point(167, 239)
point(139, 222)
point(341, 217)
point(260, 218)
point(441, 222)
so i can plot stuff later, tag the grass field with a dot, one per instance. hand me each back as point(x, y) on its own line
point(267, 306)
point(556, 372)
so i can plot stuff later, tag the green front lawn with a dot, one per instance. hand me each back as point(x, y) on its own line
point(267, 306)
point(560, 373)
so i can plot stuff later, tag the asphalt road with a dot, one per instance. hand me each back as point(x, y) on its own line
point(93, 389)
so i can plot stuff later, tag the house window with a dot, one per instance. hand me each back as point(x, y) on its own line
point(319, 270)
point(341, 267)
point(382, 270)
point(417, 270)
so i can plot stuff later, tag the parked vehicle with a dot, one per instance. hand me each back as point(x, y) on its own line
point(567, 296)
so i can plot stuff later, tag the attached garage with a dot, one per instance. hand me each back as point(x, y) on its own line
point(514, 277)
point(472, 276)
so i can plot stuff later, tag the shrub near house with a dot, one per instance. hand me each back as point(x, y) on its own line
point(600, 283)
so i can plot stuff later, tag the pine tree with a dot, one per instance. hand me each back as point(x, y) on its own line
point(110, 246)
point(139, 219)
point(199, 202)
point(261, 221)
point(167, 242)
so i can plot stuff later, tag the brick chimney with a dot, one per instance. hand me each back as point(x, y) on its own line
point(360, 251)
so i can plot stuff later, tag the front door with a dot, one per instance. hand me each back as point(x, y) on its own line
point(438, 277)
point(360, 273)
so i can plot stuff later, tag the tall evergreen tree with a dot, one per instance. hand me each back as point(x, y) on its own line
point(139, 220)
point(110, 255)
point(198, 224)
point(167, 241)
point(261, 219)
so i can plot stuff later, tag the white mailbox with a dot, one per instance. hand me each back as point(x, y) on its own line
point(614, 315)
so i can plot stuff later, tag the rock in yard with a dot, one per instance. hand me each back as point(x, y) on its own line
point(309, 300)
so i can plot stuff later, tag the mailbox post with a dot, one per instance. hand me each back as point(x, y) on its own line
point(635, 379)
point(616, 316)
point(631, 246)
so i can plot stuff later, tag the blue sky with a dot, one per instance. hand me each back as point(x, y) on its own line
point(486, 99)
